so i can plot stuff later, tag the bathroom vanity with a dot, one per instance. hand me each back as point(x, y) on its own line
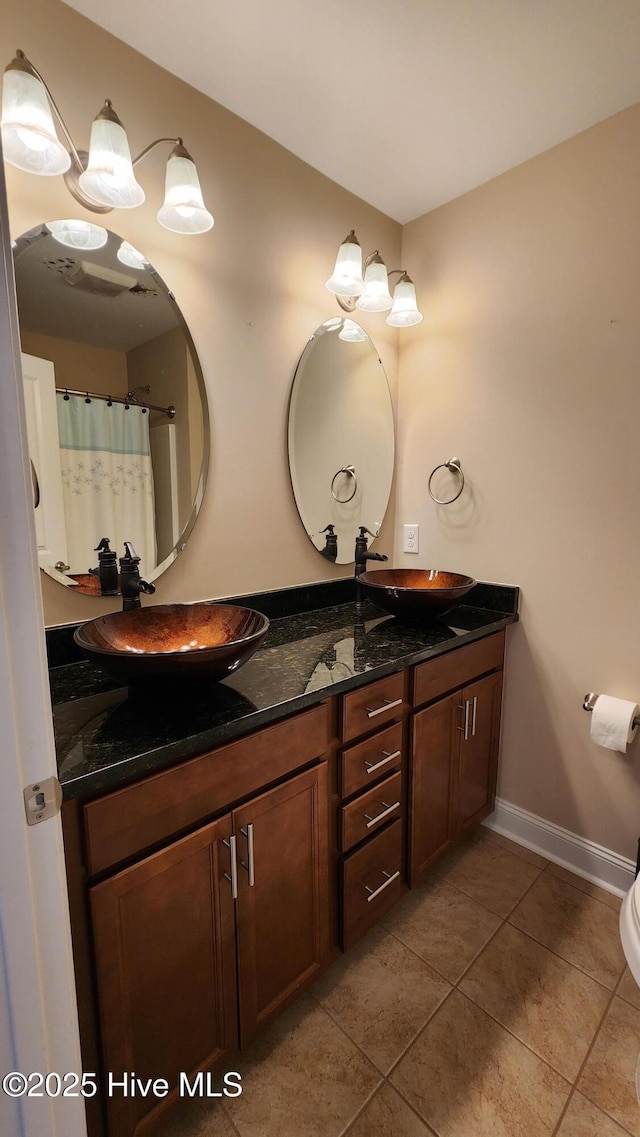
point(225, 844)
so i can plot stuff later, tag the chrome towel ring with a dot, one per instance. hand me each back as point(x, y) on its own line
point(454, 466)
point(350, 471)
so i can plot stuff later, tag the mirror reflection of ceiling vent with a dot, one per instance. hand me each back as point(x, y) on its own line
point(100, 280)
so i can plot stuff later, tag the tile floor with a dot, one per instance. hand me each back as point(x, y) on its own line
point(494, 1002)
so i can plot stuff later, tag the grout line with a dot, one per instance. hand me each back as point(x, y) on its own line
point(574, 1086)
point(583, 891)
point(569, 961)
point(361, 1110)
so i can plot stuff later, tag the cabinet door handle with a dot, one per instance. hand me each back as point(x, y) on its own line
point(387, 704)
point(248, 833)
point(376, 892)
point(373, 766)
point(464, 729)
point(385, 813)
point(474, 708)
point(231, 846)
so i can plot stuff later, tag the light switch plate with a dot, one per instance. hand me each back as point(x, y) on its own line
point(411, 538)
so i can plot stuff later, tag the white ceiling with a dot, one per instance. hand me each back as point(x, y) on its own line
point(407, 103)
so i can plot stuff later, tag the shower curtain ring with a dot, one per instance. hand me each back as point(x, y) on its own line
point(87, 400)
point(66, 394)
point(109, 401)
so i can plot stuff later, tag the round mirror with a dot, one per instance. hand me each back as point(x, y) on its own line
point(341, 438)
point(116, 405)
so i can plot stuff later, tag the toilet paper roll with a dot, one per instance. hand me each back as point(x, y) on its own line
point(612, 722)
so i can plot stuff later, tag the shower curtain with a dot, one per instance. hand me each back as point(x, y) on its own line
point(107, 480)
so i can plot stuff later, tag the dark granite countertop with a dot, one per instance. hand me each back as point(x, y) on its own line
point(108, 735)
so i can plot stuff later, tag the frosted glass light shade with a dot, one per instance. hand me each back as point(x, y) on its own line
point(128, 255)
point(346, 279)
point(405, 306)
point(29, 138)
point(183, 210)
point(76, 234)
point(351, 332)
point(109, 178)
point(376, 296)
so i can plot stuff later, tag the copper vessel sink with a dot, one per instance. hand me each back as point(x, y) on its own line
point(415, 593)
point(208, 639)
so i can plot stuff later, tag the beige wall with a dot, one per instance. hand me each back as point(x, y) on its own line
point(251, 290)
point(527, 368)
point(78, 363)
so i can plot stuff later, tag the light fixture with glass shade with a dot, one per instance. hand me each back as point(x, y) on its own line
point(128, 255)
point(102, 179)
point(370, 292)
point(76, 234)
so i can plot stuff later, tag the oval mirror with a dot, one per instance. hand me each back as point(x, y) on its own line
point(116, 406)
point(341, 438)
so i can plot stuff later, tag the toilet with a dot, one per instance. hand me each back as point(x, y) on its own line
point(630, 929)
point(630, 936)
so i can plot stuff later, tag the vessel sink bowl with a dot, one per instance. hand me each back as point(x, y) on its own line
point(415, 593)
point(179, 640)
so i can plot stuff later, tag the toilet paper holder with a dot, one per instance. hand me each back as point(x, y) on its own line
point(590, 702)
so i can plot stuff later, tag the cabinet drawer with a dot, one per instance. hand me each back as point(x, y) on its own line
point(372, 706)
point(437, 676)
point(368, 812)
point(371, 883)
point(142, 815)
point(367, 762)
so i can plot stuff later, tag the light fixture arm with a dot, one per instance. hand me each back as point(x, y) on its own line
point(27, 65)
point(152, 146)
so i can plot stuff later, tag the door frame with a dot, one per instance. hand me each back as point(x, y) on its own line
point(38, 1000)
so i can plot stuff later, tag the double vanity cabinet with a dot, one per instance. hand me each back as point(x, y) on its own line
point(207, 895)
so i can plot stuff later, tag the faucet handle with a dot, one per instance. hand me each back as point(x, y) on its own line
point(364, 531)
point(103, 547)
point(130, 553)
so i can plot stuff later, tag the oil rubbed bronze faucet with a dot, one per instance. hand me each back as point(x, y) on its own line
point(361, 557)
point(130, 583)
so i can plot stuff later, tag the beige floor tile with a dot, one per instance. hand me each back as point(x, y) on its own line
point(607, 898)
point(469, 1077)
point(513, 847)
point(608, 1079)
point(387, 1115)
point(302, 1076)
point(381, 994)
point(576, 926)
point(628, 989)
point(488, 873)
point(443, 925)
point(197, 1118)
point(583, 1119)
point(550, 1005)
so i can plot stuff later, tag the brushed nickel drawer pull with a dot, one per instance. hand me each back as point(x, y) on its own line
point(373, 766)
point(473, 715)
point(231, 846)
point(251, 873)
point(385, 813)
point(387, 704)
point(376, 892)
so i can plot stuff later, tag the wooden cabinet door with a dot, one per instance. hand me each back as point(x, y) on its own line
point(434, 744)
point(478, 755)
point(165, 962)
point(282, 910)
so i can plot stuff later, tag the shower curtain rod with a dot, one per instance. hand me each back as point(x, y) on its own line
point(169, 411)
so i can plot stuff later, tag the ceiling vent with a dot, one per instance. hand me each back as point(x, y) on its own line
point(100, 280)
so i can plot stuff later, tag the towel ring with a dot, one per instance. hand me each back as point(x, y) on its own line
point(454, 466)
point(351, 471)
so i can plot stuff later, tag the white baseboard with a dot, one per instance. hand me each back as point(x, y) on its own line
point(593, 862)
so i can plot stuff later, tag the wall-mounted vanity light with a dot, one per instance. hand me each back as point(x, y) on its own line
point(102, 179)
point(370, 293)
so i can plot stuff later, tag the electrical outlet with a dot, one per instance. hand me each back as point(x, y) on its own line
point(411, 538)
